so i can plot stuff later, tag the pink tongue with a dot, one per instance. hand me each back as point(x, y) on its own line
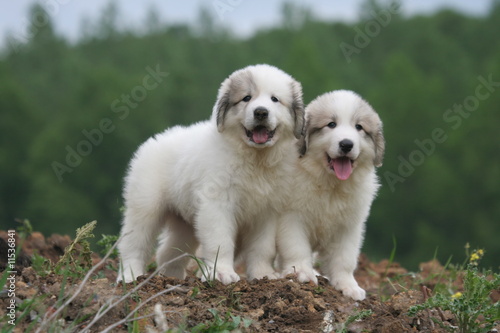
point(260, 135)
point(342, 167)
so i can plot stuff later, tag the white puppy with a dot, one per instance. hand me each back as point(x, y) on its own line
point(216, 183)
point(334, 186)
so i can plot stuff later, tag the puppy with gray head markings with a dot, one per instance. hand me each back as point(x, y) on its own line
point(334, 186)
point(217, 183)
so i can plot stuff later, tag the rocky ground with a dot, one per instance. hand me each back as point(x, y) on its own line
point(160, 303)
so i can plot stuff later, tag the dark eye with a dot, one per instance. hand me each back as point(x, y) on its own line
point(274, 99)
point(358, 127)
point(332, 124)
point(247, 98)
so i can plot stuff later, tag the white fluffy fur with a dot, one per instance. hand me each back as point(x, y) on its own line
point(208, 184)
point(326, 214)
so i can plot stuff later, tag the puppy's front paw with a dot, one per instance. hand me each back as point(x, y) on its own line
point(303, 274)
point(356, 293)
point(129, 275)
point(223, 273)
point(270, 274)
point(350, 288)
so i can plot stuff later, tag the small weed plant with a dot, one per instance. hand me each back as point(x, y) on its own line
point(76, 260)
point(473, 308)
point(205, 270)
point(25, 229)
point(357, 316)
point(107, 242)
point(222, 324)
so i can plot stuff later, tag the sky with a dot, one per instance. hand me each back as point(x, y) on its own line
point(243, 17)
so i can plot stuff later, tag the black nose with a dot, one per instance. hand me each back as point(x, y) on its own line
point(346, 145)
point(260, 113)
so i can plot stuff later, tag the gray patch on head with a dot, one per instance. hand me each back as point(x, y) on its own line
point(297, 108)
point(303, 143)
point(375, 130)
point(316, 119)
point(379, 140)
point(243, 81)
point(239, 84)
point(222, 107)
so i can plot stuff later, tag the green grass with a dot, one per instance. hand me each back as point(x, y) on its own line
point(473, 309)
point(205, 271)
point(107, 243)
point(441, 280)
point(76, 265)
point(385, 278)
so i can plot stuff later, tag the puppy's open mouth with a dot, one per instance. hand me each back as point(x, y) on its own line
point(260, 134)
point(342, 166)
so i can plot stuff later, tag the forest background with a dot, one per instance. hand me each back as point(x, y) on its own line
point(73, 113)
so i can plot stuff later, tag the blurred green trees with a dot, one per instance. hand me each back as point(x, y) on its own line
point(71, 115)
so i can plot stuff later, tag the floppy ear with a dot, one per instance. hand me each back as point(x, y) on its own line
point(304, 141)
point(379, 141)
point(221, 108)
point(298, 109)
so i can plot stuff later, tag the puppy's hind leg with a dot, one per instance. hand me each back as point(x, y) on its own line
point(176, 240)
point(259, 249)
point(138, 237)
point(295, 252)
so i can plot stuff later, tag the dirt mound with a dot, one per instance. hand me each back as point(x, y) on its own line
point(282, 305)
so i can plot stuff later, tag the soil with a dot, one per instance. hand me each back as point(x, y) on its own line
point(282, 305)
